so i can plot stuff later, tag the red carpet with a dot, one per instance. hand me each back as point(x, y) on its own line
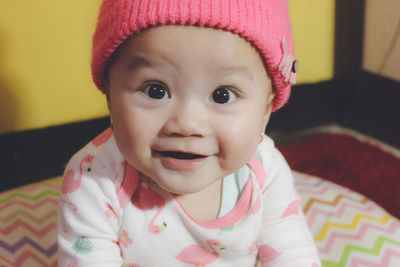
point(360, 166)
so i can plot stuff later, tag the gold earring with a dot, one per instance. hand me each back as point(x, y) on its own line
point(262, 136)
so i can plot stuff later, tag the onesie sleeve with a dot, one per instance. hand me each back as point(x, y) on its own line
point(89, 215)
point(285, 239)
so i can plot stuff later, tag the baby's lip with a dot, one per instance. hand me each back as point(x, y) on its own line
point(180, 154)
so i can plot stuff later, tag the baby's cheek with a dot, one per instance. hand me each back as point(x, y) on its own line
point(247, 131)
point(240, 147)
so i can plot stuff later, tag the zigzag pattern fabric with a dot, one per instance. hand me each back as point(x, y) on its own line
point(28, 225)
point(349, 229)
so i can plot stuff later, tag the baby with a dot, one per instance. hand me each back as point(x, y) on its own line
point(185, 176)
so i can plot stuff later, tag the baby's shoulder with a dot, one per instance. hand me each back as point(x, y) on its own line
point(90, 182)
point(100, 157)
point(268, 154)
point(272, 160)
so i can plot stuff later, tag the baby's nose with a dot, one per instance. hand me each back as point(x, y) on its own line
point(189, 119)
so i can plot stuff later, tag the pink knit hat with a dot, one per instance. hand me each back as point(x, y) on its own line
point(264, 23)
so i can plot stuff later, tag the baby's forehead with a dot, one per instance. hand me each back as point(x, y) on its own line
point(193, 44)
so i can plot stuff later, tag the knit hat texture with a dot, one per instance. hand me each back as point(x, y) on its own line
point(264, 23)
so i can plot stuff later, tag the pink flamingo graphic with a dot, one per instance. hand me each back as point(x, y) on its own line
point(70, 184)
point(199, 255)
point(292, 209)
point(267, 254)
point(147, 199)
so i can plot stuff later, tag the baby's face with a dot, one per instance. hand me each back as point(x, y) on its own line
point(188, 104)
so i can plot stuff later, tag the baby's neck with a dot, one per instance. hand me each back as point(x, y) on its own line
point(205, 205)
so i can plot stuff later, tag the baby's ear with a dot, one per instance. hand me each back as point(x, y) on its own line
point(270, 102)
point(268, 110)
point(271, 98)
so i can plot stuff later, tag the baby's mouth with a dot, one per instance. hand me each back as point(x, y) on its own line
point(180, 155)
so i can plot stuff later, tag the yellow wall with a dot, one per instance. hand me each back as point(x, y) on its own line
point(45, 58)
point(313, 23)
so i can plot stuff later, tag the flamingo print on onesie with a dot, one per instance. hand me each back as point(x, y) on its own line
point(72, 182)
point(199, 255)
point(267, 254)
point(139, 211)
point(146, 199)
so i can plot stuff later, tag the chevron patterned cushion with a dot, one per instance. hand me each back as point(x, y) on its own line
point(28, 225)
point(349, 229)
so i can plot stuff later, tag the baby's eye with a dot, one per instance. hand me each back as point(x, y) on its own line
point(155, 91)
point(223, 95)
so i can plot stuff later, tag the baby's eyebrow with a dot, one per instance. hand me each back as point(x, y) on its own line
point(242, 70)
point(139, 62)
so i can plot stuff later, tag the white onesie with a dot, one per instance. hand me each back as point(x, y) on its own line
point(111, 216)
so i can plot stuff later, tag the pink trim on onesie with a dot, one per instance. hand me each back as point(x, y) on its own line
point(258, 170)
point(243, 204)
point(131, 180)
point(232, 217)
point(128, 187)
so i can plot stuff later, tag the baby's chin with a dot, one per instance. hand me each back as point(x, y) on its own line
point(179, 186)
point(180, 189)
